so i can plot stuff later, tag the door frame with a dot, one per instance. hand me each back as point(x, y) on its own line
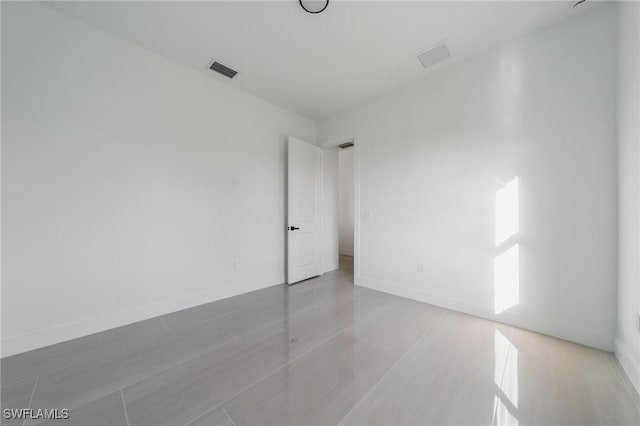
point(356, 200)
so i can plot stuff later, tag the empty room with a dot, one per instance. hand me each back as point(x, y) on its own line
point(320, 212)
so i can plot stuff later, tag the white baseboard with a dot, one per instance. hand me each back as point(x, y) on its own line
point(629, 363)
point(60, 333)
point(545, 325)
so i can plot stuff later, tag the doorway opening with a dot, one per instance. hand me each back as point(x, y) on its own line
point(346, 186)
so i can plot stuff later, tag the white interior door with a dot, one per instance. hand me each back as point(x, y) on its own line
point(304, 210)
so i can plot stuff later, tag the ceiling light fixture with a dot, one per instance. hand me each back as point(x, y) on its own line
point(326, 3)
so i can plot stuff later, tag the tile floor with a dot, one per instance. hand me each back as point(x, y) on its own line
point(320, 352)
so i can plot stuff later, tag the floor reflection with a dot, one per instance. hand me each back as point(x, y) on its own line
point(506, 381)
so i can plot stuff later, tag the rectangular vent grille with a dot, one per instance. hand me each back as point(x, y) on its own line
point(434, 55)
point(223, 69)
point(345, 145)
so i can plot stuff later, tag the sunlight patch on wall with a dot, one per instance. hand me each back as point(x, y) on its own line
point(507, 217)
point(507, 279)
point(506, 268)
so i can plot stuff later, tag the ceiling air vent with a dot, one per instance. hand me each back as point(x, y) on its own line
point(434, 55)
point(223, 69)
point(345, 145)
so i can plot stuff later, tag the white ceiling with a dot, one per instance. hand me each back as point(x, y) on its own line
point(315, 65)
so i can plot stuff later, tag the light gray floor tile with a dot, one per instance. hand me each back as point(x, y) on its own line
point(486, 341)
point(436, 384)
point(194, 387)
point(484, 378)
point(203, 313)
point(377, 297)
point(95, 377)
point(17, 396)
point(190, 389)
point(313, 353)
point(564, 383)
point(215, 417)
point(397, 326)
point(30, 364)
point(566, 355)
point(106, 411)
point(298, 299)
point(318, 388)
point(551, 396)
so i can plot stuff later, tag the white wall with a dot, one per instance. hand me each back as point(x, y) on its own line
point(129, 182)
point(434, 156)
point(628, 338)
point(345, 201)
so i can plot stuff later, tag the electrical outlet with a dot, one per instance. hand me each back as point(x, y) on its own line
point(368, 215)
point(234, 264)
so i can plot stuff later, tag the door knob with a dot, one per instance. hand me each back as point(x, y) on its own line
point(293, 228)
